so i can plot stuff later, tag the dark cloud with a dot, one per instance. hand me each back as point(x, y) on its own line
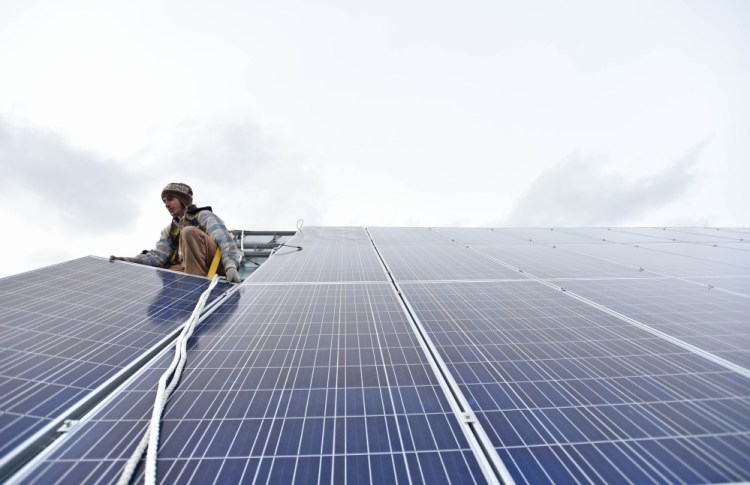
point(80, 189)
point(580, 192)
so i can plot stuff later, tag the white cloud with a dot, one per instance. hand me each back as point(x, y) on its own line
point(79, 189)
point(395, 113)
point(580, 191)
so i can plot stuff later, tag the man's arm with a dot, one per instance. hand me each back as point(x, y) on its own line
point(159, 256)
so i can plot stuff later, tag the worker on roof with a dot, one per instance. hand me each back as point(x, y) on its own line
point(190, 242)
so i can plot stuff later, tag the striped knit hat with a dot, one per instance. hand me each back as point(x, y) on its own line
point(181, 191)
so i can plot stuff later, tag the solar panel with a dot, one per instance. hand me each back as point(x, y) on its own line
point(66, 330)
point(330, 254)
point(475, 235)
point(604, 234)
point(568, 393)
point(706, 252)
point(716, 233)
point(735, 284)
point(426, 356)
point(426, 255)
point(555, 262)
point(298, 383)
point(661, 262)
point(545, 235)
point(713, 320)
point(677, 235)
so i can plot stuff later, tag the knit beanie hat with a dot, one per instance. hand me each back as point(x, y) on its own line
point(181, 191)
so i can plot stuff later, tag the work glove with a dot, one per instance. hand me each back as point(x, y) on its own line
point(232, 275)
point(112, 258)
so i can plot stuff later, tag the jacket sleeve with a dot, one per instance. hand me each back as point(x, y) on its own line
point(215, 228)
point(159, 256)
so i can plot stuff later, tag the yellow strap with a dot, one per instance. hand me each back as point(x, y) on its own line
point(214, 264)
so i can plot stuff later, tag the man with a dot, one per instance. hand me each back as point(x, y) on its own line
point(190, 241)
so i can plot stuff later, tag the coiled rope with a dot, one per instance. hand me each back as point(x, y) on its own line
point(167, 384)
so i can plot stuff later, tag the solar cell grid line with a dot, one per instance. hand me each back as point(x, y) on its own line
point(307, 383)
point(441, 260)
point(69, 331)
point(573, 394)
point(717, 322)
point(329, 254)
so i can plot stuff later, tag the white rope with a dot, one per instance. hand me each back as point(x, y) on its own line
point(150, 439)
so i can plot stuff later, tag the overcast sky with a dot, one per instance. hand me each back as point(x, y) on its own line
point(398, 113)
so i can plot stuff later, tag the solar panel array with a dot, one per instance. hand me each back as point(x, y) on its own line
point(454, 355)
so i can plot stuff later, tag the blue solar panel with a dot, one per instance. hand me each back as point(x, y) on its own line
point(329, 254)
point(568, 393)
point(323, 369)
point(714, 321)
point(715, 233)
point(682, 234)
point(67, 329)
point(546, 235)
point(661, 262)
point(709, 252)
point(297, 383)
point(426, 255)
point(735, 284)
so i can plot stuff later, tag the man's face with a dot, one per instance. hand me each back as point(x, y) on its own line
point(174, 206)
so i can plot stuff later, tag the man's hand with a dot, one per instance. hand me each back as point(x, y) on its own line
point(112, 258)
point(232, 275)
